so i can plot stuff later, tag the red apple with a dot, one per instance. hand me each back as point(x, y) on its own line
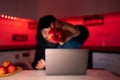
point(55, 35)
point(6, 63)
point(11, 68)
point(3, 70)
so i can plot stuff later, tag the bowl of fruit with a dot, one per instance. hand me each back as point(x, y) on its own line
point(7, 68)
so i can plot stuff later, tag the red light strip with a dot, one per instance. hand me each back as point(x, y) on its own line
point(8, 17)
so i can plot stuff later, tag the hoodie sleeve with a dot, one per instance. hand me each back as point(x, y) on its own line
point(84, 34)
point(40, 54)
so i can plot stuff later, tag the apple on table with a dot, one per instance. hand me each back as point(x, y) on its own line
point(3, 70)
point(11, 68)
point(6, 63)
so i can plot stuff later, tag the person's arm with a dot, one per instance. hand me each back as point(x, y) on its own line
point(84, 34)
point(39, 58)
point(68, 29)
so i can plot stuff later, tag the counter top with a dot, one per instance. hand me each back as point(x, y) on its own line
point(102, 48)
point(41, 75)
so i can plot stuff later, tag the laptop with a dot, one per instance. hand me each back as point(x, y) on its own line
point(66, 61)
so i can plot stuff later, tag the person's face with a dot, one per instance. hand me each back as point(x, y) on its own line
point(45, 32)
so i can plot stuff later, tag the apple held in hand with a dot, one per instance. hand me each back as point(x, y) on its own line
point(3, 70)
point(55, 35)
point(11, 68)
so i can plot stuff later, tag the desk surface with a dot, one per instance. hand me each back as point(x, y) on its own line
point(40, 75)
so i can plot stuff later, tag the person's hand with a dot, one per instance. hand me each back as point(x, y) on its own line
point(40, 64)
point(69, 30)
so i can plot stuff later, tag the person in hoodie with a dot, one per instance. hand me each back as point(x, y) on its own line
point(75, 36)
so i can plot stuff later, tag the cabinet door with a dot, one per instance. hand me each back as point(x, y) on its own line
point(94, 24)
point(111, 31)
point(95, 38)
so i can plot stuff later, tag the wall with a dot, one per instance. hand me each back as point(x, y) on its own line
point(34, 9)
point(65, 8)
point(19, 8)
point(56, 7)
point(89, 7)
